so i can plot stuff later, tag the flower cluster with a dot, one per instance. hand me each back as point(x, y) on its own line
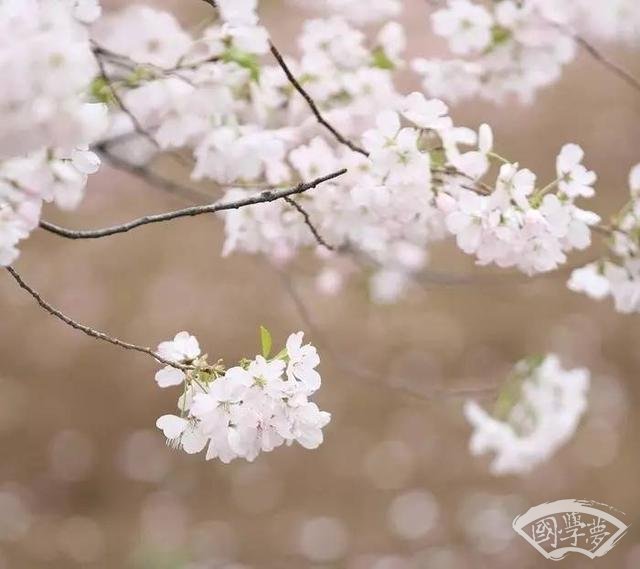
point(413, 175)
point(616, 20)
point(46, 65)
point(44, 176)
point(420, 179)
point(537, 413)
point(356, 11)
point(516, 48)
point(618, 274)
point(517, 225)
point(243, 410)
point(48, 118)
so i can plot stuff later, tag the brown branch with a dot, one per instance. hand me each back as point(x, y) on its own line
point(598, 56)
point(312, 105)
point(263, 197)
point(148, 175)
point(136, 123)
point(604, 60)
point(374, 378)
point(320, 118)
point(88, 330)
point(309, 224)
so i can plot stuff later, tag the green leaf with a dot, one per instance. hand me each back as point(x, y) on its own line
point(265, 338)
point(247, 60)
point(381, 60)
point(101, 91)
point(511, 392)
point(500, 35)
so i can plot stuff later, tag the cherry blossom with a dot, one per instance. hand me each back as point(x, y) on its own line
point(618, 274)
point(247, 409)
point(537, 414)
point(47, 67)
point(145, 35)
point(512, 48)
point(575, 179)
point(135, 84)
point(357, 12)
point(466, 25)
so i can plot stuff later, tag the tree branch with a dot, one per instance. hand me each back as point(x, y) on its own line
point(312, 105)
point(149, 176)
point(309, 224)
point(357, 371)
point(604, 60)
point(88, 330)
point(263, 197)
point(136, 123)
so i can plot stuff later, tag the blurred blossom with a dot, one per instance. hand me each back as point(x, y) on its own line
point(81, 539)
point(329, 281)
point(163, 521)
point(143, 456)
point(385, 448)
point(389, 465)
point(323, 539)
point(255, 489)
point(15, 518)
point(413, 514)
point(71, 456)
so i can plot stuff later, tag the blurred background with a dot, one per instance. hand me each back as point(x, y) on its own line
point(87, 481)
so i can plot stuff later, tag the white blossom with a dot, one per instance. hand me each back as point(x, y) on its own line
point(247, 409)
point(466, 25)
point(534, 426)
point(590, 281)
point(617, 275)
point(46, 66)
point(575, 179)
point(357, 11)
point(145, 35)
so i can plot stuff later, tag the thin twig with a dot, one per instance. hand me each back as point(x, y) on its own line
point(148, 175)
point(263, 197)
point(316, 111)
point(136, 123)
point(337, 135)
point(88, 330)
point(373, 378)
point(480, 187)
point(312, 105)
point(598, 56)
point(604, 60)
point(309, 224)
